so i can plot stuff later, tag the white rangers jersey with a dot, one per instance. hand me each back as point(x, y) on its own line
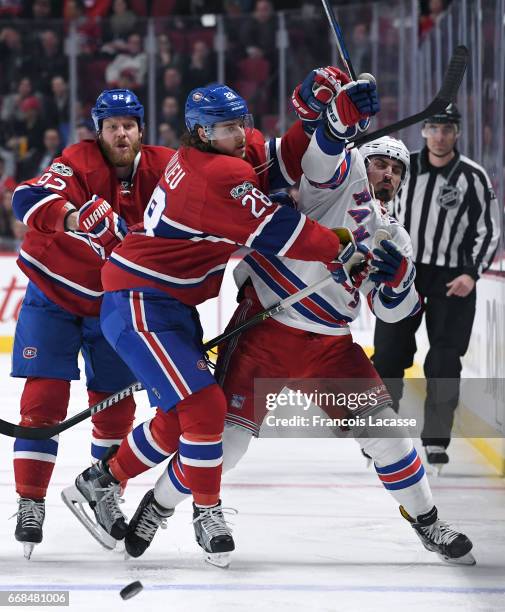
point(334, 190)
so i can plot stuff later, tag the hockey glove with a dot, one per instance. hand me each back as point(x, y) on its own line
point(282, 198)
point(313, 95)
point(339, 267)
point(101, 224)
point(353, 105)
point(393, 270)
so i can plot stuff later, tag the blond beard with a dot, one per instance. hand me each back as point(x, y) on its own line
point(120, 159)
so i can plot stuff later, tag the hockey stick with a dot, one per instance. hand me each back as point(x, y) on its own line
point(447, 94)
point(339, 37)
point(43, 433)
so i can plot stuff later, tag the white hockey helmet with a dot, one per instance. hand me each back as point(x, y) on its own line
point(388, 147)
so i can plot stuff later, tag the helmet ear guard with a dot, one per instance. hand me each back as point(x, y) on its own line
point(117, 103)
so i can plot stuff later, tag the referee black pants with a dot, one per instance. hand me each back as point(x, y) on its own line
point(449, 323)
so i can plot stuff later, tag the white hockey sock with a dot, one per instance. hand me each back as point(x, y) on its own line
point(399, 468)
point(170, 489)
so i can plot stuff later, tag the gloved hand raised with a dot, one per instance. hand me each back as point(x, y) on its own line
point(354, 104)
point(313, 95)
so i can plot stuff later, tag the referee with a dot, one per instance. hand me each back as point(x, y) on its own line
point(451, 213)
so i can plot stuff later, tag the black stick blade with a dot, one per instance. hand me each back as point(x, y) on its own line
point(454, 75)
point(447, 94)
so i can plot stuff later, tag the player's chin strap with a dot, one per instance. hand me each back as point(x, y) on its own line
point(44, 433)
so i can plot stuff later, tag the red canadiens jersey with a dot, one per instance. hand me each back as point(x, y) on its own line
point(62, 264)
point(206, 206)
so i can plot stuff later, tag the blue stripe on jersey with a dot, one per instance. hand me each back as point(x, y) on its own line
point(24, 199)
point(399, 465)
point(58, 282)
point(330, 147)
point(165, 230)
point(291, 276)
point(200, 451)
point(153, 277)
point(277, 231)
point(393, 301)
point(339, 177)
point(301, 309)
point(276, 179)
point(404, 484)
point(50, 447)
point(145, 446)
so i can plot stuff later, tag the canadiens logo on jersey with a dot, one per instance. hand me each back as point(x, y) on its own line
point(30, 352)
point(61, 169)
point(449, 196)
point(201, 364)
point(239, 191)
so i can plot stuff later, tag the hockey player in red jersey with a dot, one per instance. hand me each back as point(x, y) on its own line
point(210, 201)
point(76, 211)
point(312, 339)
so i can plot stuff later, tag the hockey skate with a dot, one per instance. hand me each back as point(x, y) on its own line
point(30, 518)
point(145, 522)
point(450, 545)
point(213, 534)
point(436, 457)
point(98, 488)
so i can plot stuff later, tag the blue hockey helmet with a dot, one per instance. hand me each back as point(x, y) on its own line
point(117, 103)
point(206, 106)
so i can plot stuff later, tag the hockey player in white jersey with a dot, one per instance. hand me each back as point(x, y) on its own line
point(336, 191)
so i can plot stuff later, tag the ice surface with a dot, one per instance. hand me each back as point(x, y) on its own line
point(315, 531)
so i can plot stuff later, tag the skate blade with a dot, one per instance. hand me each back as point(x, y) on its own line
point(74, 500)
point(28, 549)
point(467, 559)
point(218, 559)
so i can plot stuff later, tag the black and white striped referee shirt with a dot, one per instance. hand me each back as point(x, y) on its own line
point(451, 214)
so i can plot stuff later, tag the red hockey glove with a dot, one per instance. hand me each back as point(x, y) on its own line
point(100, 224)
point(313, 95)
point(354, 103)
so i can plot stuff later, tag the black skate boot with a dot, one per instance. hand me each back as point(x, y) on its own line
point(145, 522)
point(436, 536)
point(30, 518)
point(436, 457)
point(97, 487)
point(213, 534)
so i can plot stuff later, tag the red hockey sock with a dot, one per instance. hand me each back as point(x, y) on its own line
point(44, 402)
point(201, 416)
point(147, 445)
point(112, 425)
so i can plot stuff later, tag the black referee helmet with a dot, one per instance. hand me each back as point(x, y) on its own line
point(450, 115)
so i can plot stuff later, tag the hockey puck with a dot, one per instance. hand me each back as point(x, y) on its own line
point(130, 590)
point(367, 77)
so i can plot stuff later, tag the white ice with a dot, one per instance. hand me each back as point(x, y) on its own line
point(315, 531)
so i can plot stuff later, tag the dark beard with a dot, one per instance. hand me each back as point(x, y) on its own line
point(383, 195)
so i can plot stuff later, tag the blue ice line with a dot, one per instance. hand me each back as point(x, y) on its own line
point(261, 587)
